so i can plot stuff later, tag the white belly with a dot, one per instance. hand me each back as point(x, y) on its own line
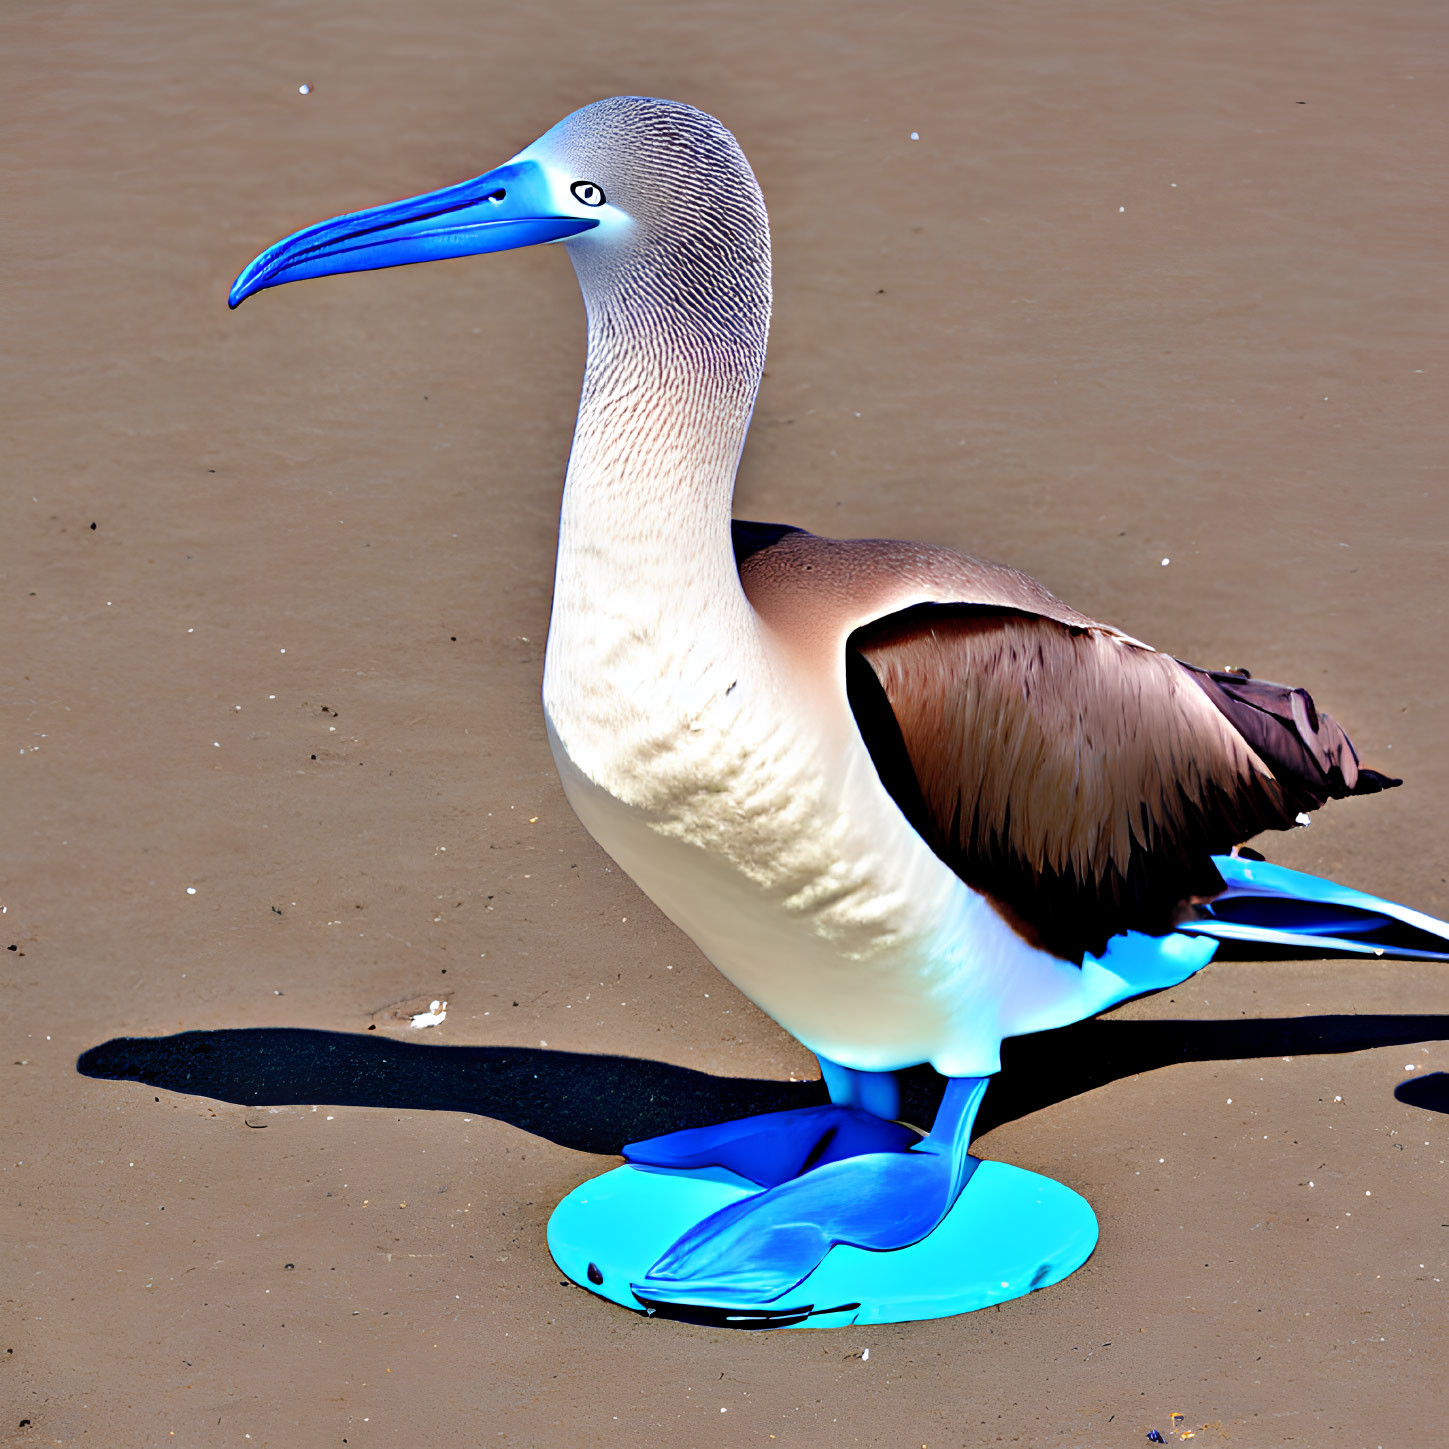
point(776, 849)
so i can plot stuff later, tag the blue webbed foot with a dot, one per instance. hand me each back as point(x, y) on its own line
point(877, 1237)
point(749, 1253)
point(776, 1146)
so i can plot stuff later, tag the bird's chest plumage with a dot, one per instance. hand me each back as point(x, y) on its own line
point(676, 729)
point(694, 760)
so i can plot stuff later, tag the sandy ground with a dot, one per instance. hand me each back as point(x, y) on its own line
point(1155, 282)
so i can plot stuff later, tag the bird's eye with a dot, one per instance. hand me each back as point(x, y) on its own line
point(588, 193)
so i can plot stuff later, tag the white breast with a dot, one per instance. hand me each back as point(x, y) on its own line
point(755, 820)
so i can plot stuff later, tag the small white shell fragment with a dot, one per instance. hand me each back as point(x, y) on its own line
point(915, 135)
point(191, 890)
point(435, 1015)
point(304, 90)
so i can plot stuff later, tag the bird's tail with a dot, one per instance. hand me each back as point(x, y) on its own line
point(1270, 905)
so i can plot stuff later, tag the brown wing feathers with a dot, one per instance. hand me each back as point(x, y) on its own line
point(1080, 782)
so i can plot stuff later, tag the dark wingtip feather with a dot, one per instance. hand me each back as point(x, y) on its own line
point(1370, 782)
point(1310, 756)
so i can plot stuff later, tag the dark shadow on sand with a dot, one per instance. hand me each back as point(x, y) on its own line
point(592, 1103)
point(1040, 1070)
point(1430, 1092)
point(598, 1103)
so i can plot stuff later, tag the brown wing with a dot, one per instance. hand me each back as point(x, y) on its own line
point(1077, 778)
point(1083, 783)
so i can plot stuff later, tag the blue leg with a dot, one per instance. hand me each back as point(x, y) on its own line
point(749, 1253)
point(878, 1093)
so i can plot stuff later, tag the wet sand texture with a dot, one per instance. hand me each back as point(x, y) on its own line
point(1156, 282)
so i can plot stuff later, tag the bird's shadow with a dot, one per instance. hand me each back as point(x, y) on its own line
point(1430, 1091)
point(598, 1103)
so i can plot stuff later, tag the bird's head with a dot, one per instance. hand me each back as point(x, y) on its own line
point(654, 199)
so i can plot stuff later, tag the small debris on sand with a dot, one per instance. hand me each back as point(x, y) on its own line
point(435, 1015)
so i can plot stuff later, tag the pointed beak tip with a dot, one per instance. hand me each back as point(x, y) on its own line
point(240, 291)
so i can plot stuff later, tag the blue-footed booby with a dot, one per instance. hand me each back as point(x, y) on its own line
point(909, 802)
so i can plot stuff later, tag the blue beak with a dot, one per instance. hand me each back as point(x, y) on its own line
point(507, 208)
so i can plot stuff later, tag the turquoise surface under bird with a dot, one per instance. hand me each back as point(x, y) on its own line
point(909, 802)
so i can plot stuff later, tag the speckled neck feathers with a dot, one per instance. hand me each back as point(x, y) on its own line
point(679, 313)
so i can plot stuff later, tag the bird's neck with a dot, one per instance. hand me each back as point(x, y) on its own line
point(651, 631)
point(645, 526)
